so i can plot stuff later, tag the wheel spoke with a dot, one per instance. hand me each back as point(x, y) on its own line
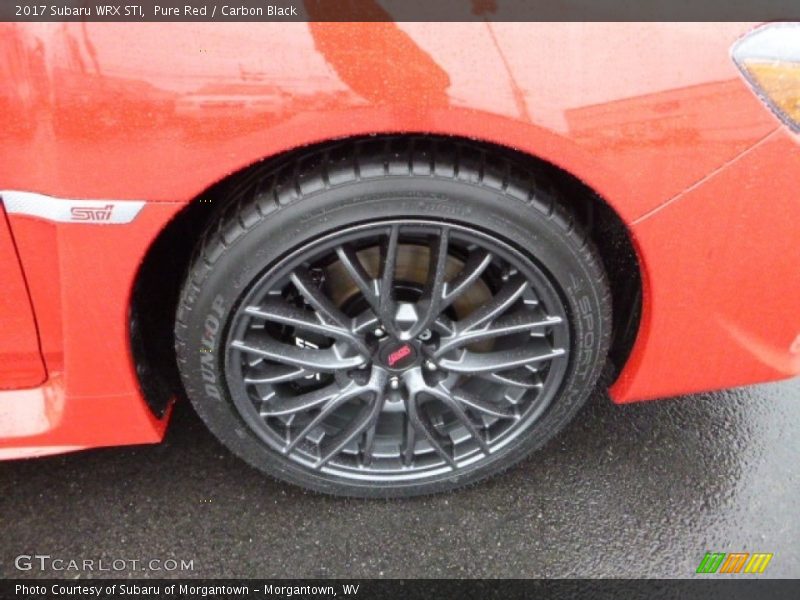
point(365, 322)
point(409, 442)
point(278, 311)
point(430, 301)
point(277, 374)
point(349, 392)
point(369, 444)
point(367, 285)
point(325, 308)
point(314, 296)
point(442, 394)
point(388, 267)
point(507, 296)
point(486, 362)
point(326, 361)
point(365, 421)
point(520, 378)
point(277, 406)
point(441, 444)
point(520, 321)
point(477, 403)
point(473, 268)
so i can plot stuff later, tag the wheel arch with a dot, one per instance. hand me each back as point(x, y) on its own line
point(161, 273)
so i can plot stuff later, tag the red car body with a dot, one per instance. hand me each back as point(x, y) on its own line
point(654, 117)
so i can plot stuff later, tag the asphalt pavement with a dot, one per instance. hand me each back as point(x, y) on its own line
point(625, 491)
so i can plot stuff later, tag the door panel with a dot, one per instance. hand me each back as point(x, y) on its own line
point(21, 363)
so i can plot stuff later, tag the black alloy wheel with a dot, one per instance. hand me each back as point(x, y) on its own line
point(390, 334)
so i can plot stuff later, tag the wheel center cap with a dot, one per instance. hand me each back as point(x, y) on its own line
point(398, 356)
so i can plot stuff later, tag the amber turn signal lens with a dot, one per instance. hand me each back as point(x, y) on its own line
point(769, 58)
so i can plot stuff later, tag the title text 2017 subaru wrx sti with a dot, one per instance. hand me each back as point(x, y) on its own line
point(385, 259)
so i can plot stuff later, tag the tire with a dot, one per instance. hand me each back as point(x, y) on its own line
point(406, 415)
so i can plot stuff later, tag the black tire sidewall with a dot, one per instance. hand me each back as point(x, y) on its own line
point(212, 300)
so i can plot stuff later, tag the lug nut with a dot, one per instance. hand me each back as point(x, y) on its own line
point(394, 383)
point(425, 335)
point(430, 365)
point(379, 332)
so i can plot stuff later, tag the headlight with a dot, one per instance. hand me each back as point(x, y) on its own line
point(769, 58)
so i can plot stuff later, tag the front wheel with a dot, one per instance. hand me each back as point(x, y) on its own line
point(391, 324)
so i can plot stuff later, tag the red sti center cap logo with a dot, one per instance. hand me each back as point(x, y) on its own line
point(399, 357)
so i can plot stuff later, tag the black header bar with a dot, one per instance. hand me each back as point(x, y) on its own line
point(397, 10)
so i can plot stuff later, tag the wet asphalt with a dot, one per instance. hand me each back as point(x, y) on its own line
point(625, 491)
